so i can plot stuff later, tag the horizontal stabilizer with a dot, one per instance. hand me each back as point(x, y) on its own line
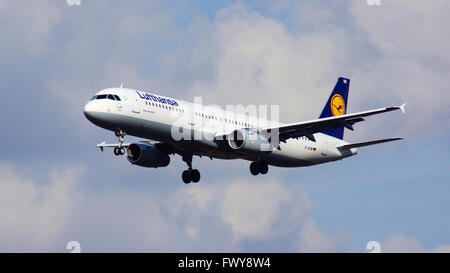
point(362, 144)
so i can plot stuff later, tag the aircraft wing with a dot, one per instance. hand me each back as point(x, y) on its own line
point(308, 128)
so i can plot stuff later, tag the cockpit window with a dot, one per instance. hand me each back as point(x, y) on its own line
point(106, 96)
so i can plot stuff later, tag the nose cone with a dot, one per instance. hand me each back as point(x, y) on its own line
point(91, 112)
point(96, 113)
point(88, 110)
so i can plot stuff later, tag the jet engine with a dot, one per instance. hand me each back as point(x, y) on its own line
point(248, 141)
point(146, 155)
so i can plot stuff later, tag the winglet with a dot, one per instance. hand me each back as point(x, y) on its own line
point(121, 85)
point(402, 107)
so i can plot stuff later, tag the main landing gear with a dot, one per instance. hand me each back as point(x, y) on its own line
point(260, 167)
point(190, 175)
point(119, 150)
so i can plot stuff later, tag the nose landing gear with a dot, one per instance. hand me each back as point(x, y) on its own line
point(119, 150)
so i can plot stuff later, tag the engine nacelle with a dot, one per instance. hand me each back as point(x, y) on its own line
point(248, 141)
point(146, 155)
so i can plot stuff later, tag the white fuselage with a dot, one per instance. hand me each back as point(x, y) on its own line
point(192, 127)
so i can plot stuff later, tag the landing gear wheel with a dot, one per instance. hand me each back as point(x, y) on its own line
point(254, 168)
point(259, 168)
point(187, 177)
point(119, 133)
point(263, 167)
point(119, 151)
point(195, 175)
point(190, 175)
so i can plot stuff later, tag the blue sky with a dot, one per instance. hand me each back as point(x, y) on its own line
point(55, 186)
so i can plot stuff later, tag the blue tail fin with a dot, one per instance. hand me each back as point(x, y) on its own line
point(337, 105)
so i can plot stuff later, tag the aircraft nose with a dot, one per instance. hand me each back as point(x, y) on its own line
point(89, 111)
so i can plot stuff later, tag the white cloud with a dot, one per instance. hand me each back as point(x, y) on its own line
point(260, 62)
point(33, 215)
point(255, 211)
point(44, 215)
point(442, 249)
point(26, 27)
point(401, 243)
point(410, 29)
point(312, 240)
point(404, 243)
point(408, 40)
point(254, 208)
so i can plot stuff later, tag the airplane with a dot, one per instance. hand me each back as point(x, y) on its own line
point(175, 127)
